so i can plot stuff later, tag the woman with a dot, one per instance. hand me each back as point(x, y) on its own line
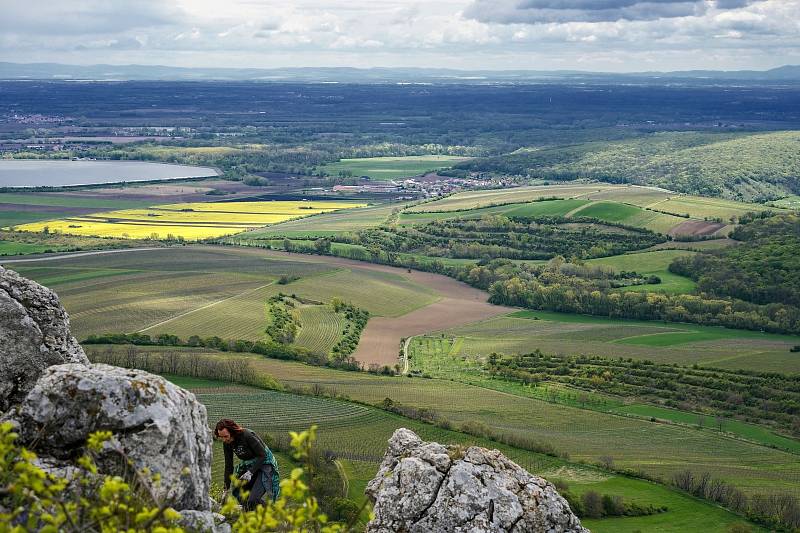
point(257, 468)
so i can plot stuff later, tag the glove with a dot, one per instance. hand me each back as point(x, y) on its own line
point(247, 476)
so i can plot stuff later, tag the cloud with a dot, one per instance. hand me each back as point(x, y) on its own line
point(560, 11)
point(46, 17)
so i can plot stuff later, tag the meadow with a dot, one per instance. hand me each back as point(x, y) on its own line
point(389, 168)
point(188, 221)
point(358, 434)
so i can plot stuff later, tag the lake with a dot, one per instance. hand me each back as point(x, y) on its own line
point(38, 173)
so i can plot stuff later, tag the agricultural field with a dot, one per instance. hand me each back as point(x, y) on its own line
point(210, 290)
point(389, 168)
point(320, 328)
point(443, 357)
point(688, 344)
point(656, 448)
point(326, 224)
point(655, 209)
point(189, 221)
point(359, 434)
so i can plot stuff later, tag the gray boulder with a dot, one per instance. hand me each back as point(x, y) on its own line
point(34, 334)
point(424, 486)
point(156, 425)
point(204, 522)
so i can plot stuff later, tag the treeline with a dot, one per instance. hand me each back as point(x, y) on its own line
point(269, 348)
point(592, 504)
point(544, 288)
point(355, 322)
point(772, 510)
point(763, 269)
point(234, 370)
point(283, 320)
point(763, 398)
point(498, 236)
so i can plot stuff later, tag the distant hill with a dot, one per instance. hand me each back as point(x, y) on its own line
point(739, 166)
point(58, 71)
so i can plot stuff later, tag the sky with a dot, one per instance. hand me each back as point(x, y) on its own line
point(595, 35)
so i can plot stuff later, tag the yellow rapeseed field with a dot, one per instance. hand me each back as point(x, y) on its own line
point(190, 221)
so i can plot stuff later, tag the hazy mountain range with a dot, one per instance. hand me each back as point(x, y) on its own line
point(57, 71)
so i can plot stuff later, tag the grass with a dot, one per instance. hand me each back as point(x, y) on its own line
point(608, 211)
point(650, 263)
point(70, 200)
point(23, 248)
point(742, 429)
point(9, 217)
point(190, 221)
point(358, 430)
point(388, 168)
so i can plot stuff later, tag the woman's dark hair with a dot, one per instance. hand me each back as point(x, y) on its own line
point(226, 423)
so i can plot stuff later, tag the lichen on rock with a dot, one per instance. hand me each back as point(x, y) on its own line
point(422, 486)
point(34, 334)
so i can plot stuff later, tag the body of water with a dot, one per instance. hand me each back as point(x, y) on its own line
point(38, 173)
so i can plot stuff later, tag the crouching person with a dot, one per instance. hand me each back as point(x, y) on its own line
point(257, 468)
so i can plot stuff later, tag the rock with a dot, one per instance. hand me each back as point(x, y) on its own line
point(424, 486)
point(34, 334)
point(204, 522)
point(156, 424)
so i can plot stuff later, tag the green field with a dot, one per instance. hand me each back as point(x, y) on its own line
point(22, 248)
point(355, 430)
point(388, 168)
point(656, 341)
point(650, 263)
point(207, 290)
point(70, 200)
point(741, 429)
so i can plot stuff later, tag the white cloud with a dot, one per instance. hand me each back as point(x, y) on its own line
point(597, 34)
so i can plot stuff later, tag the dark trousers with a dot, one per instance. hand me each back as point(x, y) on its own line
point(255, 486)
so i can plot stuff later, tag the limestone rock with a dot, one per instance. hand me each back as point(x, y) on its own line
point(156, 424)
point(424, 486)
point(34, 334)
point(204, 522)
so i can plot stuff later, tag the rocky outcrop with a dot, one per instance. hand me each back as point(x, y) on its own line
point(156, 425)
point(425, 486)
point(34, 334)
point(57, 399)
